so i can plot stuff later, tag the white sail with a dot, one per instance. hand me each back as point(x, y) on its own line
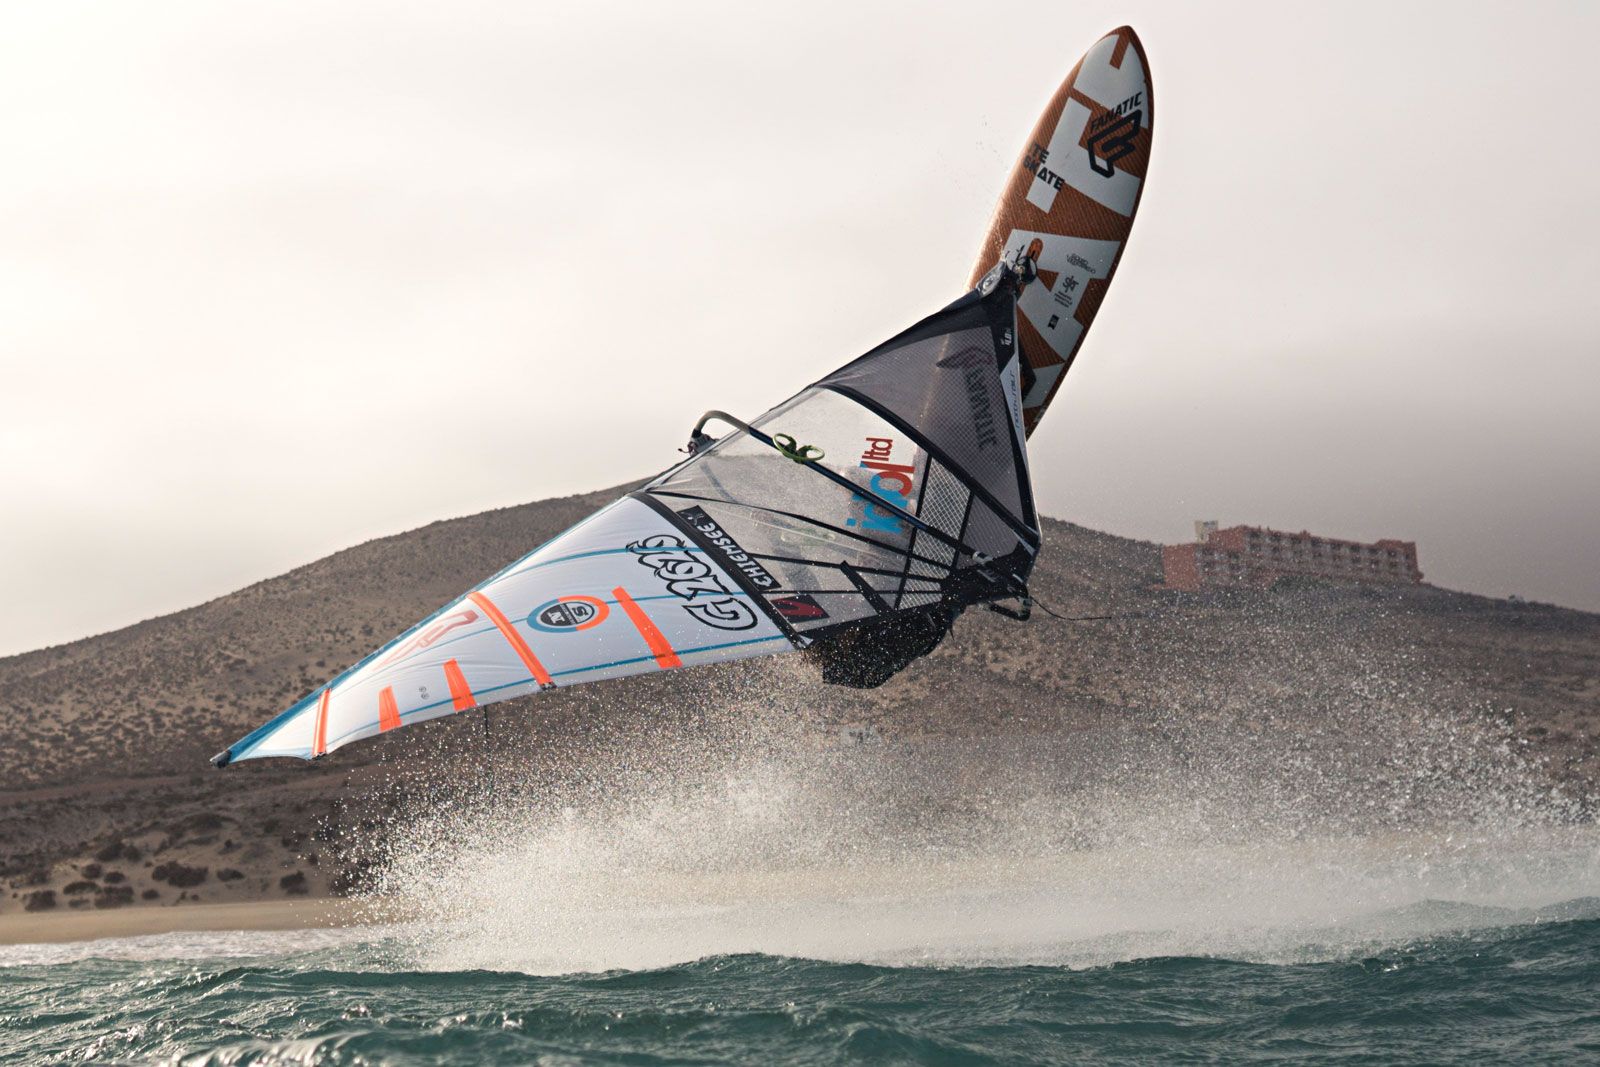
point(855, 519)
point(623, 593)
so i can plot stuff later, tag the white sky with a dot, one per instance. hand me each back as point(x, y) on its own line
point(276, 279)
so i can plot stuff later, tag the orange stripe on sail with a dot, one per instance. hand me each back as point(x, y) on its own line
point(514, 639)
point(388, 711)
point(460, 692)
point(319, 744)
point(666, 659)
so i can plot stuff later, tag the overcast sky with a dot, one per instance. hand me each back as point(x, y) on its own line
point(276, 279)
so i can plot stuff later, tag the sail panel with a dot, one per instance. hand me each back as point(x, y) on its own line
point(624, 593)
point(949, 388)
point(857, 444)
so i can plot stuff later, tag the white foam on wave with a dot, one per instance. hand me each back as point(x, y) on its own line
point(1287, 902)
point(1074, 850)
point(733, 831)
point(186, 945)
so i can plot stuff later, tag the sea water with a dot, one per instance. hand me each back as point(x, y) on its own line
point(1434, 982)
point(1401, 947)
point(1128, 897)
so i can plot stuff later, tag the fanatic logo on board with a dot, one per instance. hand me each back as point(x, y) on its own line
point(1111, 135)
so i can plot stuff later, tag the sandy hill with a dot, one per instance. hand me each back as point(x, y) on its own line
point(109, 799)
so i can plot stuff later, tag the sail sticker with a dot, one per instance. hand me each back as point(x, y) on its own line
point(461, 696)
point(799, 607)
point(388, 710)
point(894, 483)
point(514, 639)
point(693, 580)
point(666, 658)
point(736, 557)
point(569, 614)
point(319, 744)
point(431, 634)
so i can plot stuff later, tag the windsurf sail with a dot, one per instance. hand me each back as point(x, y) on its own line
point(852, 523)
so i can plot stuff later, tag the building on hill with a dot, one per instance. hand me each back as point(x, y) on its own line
point(1255, 556)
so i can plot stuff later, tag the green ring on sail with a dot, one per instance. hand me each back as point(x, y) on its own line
point(799, 453)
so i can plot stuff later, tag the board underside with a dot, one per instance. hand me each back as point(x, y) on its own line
point(1070, 204)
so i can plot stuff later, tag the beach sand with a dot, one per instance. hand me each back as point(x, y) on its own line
point(22, 929)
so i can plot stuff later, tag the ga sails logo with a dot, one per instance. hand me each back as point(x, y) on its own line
point(693, 580)
point(893, 483)
point(569, 614)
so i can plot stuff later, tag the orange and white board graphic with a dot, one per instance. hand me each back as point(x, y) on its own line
point(1070, 203)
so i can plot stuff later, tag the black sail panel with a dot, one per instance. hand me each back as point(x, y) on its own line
point(948, 386)
point(918, 506)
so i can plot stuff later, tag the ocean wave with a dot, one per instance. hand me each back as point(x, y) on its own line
point(1512, 983)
